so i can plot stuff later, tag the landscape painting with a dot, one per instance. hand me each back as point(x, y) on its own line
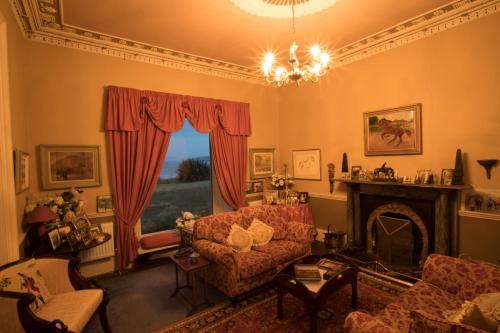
point(69, 166)
point(261, 162)
point(394, 131)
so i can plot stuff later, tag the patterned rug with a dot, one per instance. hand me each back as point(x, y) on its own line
point(258, 313)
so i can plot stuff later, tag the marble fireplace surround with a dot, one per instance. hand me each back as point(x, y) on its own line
point(438, 204)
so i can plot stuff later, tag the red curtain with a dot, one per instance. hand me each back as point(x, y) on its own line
point(139, 126)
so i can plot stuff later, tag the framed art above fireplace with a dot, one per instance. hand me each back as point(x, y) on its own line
point(395, 131)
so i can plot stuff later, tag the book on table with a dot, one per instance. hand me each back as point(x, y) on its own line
point(307, 272)
point(332, 267)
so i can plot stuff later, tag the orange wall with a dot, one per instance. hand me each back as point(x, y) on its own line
point(65, 99)
point(454, 74)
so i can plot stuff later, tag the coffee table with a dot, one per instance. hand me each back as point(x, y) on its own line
point(191, 267)
point(315, 294)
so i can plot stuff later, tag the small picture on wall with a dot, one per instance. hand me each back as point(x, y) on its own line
point(307, 164)
point(21, 170)
point(261, 162)
point(248, 188)
point(104, 203)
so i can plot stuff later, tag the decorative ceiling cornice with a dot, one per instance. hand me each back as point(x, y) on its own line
point(42, 21)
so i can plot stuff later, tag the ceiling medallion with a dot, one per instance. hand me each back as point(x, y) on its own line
point(312, 71)
point(280, 8)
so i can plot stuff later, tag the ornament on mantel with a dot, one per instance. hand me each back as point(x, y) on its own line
point(345, 166)
point(458, 172)
point(331, 175)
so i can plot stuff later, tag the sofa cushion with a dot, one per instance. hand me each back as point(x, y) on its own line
point(239, 239)
point(160, 240)
point(471, 314)
point(261, 232)
point(74, 309)
point(422, 296)
point(282, 251)
point(216, 227)
point(252, 263)
point(25, 277)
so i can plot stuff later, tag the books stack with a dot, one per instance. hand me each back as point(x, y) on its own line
point(307, 272)
point(332, 267)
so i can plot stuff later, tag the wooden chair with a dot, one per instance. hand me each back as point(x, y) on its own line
point(48, 294)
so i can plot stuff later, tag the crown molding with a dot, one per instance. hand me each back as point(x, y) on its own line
point(43, 21)
point(440, 19)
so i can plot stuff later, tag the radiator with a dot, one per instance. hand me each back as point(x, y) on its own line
point(102, 251)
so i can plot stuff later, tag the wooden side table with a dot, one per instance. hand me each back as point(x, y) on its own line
point(191, 268)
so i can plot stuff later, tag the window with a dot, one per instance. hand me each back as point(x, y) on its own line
point(184, 183)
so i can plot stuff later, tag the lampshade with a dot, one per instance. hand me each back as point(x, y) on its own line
point(41, 214)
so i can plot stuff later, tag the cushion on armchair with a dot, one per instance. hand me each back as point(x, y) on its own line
point(424, 323)
point(25, 277)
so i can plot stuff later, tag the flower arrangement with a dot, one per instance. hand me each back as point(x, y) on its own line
point(280, 182)
point(67, 205)
point(186, 220)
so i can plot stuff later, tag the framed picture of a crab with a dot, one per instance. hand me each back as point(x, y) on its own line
point(396, 131)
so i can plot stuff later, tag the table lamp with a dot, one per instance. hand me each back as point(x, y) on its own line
point(40, 215)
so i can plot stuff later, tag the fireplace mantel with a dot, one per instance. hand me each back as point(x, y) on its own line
point(446, 200)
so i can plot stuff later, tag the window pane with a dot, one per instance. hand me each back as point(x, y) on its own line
point(184, 183)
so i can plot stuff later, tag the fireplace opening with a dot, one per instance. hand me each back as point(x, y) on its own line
point(397, 242)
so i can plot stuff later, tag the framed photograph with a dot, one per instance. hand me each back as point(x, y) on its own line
point(55, 238)
point(64, 230)
point(307, 164)
point(270, 197)
point(86, 235)
point(95, 231)
point(81, 221)
point(261, 162)
point(446, 176)
point(303, 197)
point(355, 171)
point(21, 170)
point(394, 131)
point(69, 166)
point(104, 203)
point(248, 188)
point(257, 187)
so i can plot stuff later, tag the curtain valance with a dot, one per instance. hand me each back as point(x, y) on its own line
point(128, 109)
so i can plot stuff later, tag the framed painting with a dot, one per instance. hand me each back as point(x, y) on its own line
point(21, 171)
point(261, 162)
point(307, 164)
point(104, 203)
point(394, 131)
point(69, 166)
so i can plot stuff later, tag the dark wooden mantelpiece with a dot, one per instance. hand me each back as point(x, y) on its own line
point(446, 200)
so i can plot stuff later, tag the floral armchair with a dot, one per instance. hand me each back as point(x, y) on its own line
point(48, 294)
point(447, 284)
point(237, 272)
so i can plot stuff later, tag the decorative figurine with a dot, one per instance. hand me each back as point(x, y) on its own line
point(384, 173)
point(458, 172)
point(331, 175)
point(345, 166)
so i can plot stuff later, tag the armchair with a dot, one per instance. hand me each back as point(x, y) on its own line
point(48, 294)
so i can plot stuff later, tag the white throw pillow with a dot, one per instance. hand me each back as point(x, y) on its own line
point(489, 305)
point(261, 232)
point(27, 278)
point(239, 239)
point(471, 314)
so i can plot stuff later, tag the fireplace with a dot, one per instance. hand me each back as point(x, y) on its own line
point(398, 225)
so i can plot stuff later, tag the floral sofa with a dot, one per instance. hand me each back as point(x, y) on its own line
point(447, 283)
point(236, 272)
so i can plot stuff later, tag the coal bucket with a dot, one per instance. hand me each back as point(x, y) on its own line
point(335, 240)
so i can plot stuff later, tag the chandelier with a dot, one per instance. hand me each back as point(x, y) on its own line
point(311, 71)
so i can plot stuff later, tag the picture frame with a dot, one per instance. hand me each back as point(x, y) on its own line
point(21, 171)
point(95, 231)
point(81, 221)
point(395, 131)
point(104, 203)
point(55, 238)
point(355, 171)
point(262, 162)
point(270, 197)
point(248, 188)
point(303, 197)
point(86, 235)
point(73, 238)
point(447, 176)
point(306, 164)
point(64, 230)
point(63, 166)
point(257, 187)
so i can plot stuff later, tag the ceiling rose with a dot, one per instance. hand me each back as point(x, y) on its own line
point(281, 8)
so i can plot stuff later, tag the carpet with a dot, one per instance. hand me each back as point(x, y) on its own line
point(258, 312)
